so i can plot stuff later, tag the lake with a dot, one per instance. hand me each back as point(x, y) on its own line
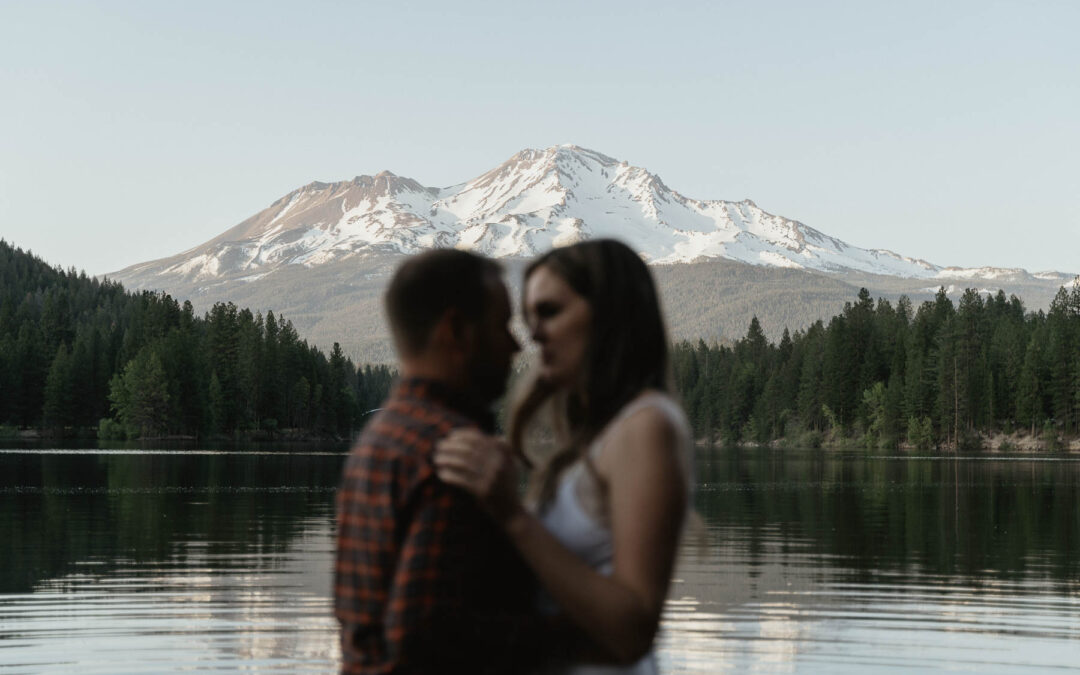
point(804, 561)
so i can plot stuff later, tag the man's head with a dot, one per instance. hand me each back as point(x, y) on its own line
point(449, 313)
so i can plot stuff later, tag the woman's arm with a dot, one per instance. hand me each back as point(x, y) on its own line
point(646, 490)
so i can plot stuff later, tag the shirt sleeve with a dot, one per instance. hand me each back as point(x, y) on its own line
point(420, 597)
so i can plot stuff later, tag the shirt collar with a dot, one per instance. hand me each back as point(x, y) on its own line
point(456, 399)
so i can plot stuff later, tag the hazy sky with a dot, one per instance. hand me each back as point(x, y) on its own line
point(943, 130)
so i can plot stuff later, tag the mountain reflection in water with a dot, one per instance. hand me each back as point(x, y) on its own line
point(807, 562)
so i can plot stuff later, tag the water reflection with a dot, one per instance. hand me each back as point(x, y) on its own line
point(807, 562)
point(167, 562)
point(824, 563)
point(974, 516)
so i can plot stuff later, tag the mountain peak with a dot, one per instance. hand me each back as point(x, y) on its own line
point(388, 182)
point(561, 153)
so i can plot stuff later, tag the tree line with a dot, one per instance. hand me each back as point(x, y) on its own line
point(79, 353)
point(884, 374)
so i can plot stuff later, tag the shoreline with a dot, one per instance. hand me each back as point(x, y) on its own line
point(1017, 442)
point(89, 437)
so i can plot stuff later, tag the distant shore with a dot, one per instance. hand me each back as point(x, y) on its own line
point(89, 437)
point(1025, 443)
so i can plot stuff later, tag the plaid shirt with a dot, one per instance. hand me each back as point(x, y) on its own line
point(425, 582)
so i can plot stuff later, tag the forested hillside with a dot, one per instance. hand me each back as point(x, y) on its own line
point(884, 374)
point(712, 299)
point(76, 353)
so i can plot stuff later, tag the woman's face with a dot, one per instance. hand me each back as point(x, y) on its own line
point(559, 322)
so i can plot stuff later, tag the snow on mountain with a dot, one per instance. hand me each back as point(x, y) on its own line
point(535, 200)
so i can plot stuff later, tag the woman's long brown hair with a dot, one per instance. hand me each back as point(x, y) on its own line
point(627, 352)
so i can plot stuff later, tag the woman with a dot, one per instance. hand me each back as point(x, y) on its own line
point(610, 503)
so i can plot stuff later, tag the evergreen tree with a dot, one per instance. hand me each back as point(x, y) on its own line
point(59, 408)
point(1030, 409)
point(218, 411)
point(874, 402)
point(140, 395)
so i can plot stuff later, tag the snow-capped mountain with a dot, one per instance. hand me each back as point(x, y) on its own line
point(535, 200)
point(323, 254)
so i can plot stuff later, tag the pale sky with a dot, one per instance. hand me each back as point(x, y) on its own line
point(948, 131)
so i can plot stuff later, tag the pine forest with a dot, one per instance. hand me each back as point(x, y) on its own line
point(879, 375)
point(77, 353)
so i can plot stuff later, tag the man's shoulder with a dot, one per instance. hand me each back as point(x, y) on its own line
point(407, 428)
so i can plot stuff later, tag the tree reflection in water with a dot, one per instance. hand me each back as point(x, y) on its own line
point(117, 508)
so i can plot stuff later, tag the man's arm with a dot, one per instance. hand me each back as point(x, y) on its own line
point(421, 600)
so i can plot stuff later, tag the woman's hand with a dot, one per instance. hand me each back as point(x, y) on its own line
point(483, 466)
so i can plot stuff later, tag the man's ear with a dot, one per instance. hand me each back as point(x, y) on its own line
point(453, 332)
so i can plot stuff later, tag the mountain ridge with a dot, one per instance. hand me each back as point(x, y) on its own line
point(534, 200)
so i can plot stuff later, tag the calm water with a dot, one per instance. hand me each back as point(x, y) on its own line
point(138, 562)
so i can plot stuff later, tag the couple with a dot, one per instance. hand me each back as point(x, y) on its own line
point(438, 558)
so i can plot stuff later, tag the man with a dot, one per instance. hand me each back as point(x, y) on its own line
point(425, 582)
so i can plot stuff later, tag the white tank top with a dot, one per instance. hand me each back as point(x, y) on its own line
point(592, 541)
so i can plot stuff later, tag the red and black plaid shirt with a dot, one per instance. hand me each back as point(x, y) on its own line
point(425, 582)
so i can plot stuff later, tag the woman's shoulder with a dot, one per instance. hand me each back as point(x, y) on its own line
point(652, 416)
point(651, 435)
point(653, 406)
